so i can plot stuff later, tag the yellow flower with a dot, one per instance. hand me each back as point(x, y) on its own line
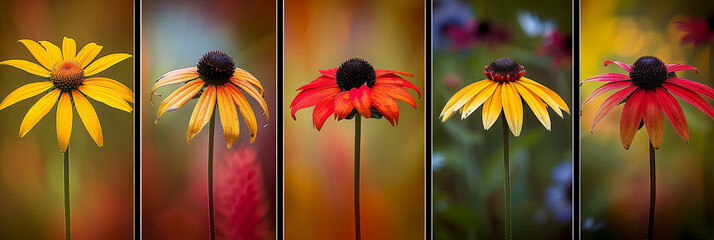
point(214, 79)
point(504, 89)
point(66, 72)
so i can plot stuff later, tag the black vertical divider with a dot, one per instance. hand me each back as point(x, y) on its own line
point(279, 122)
point(428, 78)
point(137, 119)
point(576, 221)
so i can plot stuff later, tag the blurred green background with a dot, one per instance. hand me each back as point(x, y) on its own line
point(615, 182)
point(102, 178)
point(175, 34)
point(468, 161)
point(321, 34)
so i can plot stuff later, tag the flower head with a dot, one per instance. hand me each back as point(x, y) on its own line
point(354, 88)
point(452, 18)
point(559, 46)
point(698, 31)
point(215, 79)
point(647, 93)
point(503, 89)
point(68, 83)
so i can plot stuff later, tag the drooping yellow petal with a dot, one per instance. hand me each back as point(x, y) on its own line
point(39, 53)
point(202, 113)
point(69, 49)
point(492, 108)
point(89, 117)
point(107, 96)
point(124, 91)
point(179, 97)
point(27, 66)
point(53, 51)
point(537, 105)
point(175, 77)
point(548, 96)
point(87, 54)
point(461, 97)
point(254, 93)
point(512, 108)
point(246, 76)
point(229, 116)
point(477, 100)
point(38, 111)
point(104, 62)
point(64, 120)
point(245, 110)
point(25, 92)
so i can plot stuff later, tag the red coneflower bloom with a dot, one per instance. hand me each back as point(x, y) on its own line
point(355, 87)
point(559, 46)
point(699, 31)
point(647, 93)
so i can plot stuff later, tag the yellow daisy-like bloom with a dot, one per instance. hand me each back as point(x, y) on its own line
point(214, 79)
point(504, 89)
point(68, 84)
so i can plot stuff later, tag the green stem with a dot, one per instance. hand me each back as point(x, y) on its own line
point(358, 130)
point(507, 178)
point(211, 217)
point(653, 181)
point(67, 222)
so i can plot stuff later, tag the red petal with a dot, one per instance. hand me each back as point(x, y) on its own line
point(395, 92)
point(623, 65)
point(322, 111)
point(343, 105)
point(631, 117)
point(654, 121)
point(693, 86)
point(380, 73)
point(308, 98)
point(680, 67)
point(361, 100)
point(396, 80)
point(607, 77)
point(606, 88)
point(674, 112)
point(610, 103)
point(690, 97)
point(387, 106)
point(329, 72)
point(319, 82)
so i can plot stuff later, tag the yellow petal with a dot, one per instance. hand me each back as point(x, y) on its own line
point(548, 96)
point(175, 77)
point(27, 66)
point(87, 54)
point(124, 91)
point(107, 96)
point(241, 74)
point(179, 97)
point(245, 110)
point(537, 105)
point(104, 62)
point(53, 51)
point(512, 108)
point(25, 92)
point(229, 116)
point(254, 93)
point(492, 108)
point(39, 53)
point(89, 117)
point(477, 100)
point(38, 111)
point(202, 113)
point(69, 49)
point(461, 97)
point(64, 121)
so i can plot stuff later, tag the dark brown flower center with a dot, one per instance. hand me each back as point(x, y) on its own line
point(648, 72)
point(504, 70)
point(216, 68)
point(354, 73)
point(67, 75)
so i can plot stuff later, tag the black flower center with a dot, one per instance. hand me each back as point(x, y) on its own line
point(216, 67)
point(504, 70)
point(483, 28)
point(648, 72)
point(354, 73)
point(67, 75)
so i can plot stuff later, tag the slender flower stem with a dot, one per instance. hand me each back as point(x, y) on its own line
point(653, 188)
point(67, 219)
point(507, 178)
point(211, 217)
point(358, 130)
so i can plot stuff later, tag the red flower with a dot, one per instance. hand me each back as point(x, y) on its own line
point(647, 93)
point(699, 31)
point(558, 46)
point(355, 87)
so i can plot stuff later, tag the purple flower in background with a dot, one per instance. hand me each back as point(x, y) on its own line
point(699, 31)
point(452, 21)
point(558, 194)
